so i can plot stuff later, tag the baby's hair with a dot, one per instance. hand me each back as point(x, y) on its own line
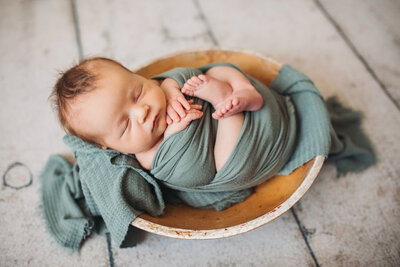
point(78, 80)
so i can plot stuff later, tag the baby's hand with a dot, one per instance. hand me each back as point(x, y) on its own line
point(176, 102)
point(193, 113)
point(175, 108)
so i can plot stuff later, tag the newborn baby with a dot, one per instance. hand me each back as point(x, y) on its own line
point(103, 102)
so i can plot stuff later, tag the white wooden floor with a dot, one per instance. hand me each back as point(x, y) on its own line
point(349, 48)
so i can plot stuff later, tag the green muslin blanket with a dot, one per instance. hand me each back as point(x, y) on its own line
point(108, 188)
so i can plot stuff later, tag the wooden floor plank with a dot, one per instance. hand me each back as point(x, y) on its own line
point(134, 32)
point(353, 220)
point(373, 29)
point(37, 38)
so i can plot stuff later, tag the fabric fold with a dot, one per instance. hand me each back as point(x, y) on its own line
point(351, 151)
point(63, 205)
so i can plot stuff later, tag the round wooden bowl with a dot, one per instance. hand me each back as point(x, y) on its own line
point(269, 200)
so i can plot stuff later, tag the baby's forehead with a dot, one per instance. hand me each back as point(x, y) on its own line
point(83, 115)
point(111, 72)
point(75, 108)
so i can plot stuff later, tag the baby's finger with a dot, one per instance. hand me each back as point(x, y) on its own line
point(183, 101)
point(172, 114)
point(196, 106)
point(193, 115)
point(169, 120)
point(178, 108)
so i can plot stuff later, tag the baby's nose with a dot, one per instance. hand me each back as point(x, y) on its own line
point(141, 112)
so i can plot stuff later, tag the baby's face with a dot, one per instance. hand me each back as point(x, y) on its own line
point(125, 112)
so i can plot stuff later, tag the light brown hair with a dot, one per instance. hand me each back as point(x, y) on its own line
point(79, 79)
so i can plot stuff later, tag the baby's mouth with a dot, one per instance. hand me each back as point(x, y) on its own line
point(154, 122)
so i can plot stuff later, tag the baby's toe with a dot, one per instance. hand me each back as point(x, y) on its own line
point(195, 81)
point(185, 89)
point(217, 115)
point(228, 104)
point(235, 101)
point(190, 86)
point(189, 93)
point(203, 78)
point(223, 110)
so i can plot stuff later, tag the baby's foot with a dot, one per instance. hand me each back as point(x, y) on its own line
point(240, 100)
point(194, 85)
point(207, 88)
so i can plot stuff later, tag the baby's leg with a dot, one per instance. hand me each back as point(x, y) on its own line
point(227, 134)
point(217, 92)
point(244, 95)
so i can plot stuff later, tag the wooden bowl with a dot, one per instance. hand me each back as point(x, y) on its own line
point(269, 200)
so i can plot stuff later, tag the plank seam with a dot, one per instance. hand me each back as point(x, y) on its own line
point(207, 24)
point(77, 29)
point(304, 234)
point(356, 52)
point(109, 248)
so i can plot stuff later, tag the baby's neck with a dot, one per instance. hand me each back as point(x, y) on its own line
point(145, 158)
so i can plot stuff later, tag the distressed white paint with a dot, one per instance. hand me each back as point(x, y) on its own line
point(374, 28)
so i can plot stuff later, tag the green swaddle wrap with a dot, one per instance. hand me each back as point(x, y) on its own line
point(185, 160)
point(106, 185)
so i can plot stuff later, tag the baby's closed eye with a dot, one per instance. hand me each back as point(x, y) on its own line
point(125, 127)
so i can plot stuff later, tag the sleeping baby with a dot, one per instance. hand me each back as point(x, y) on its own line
point(199, 143)
point(104, 103)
